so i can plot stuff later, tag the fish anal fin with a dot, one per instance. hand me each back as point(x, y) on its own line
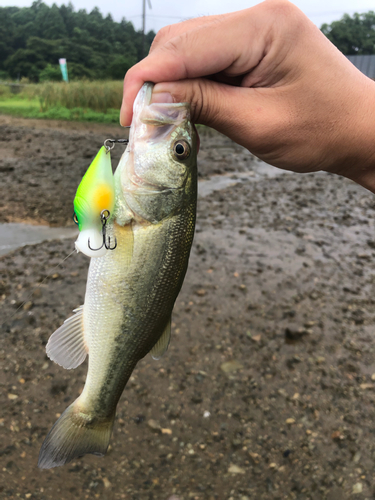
point(67, 346)
point(162, 344)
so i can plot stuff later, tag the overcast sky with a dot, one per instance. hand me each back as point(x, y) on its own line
point(165, 12)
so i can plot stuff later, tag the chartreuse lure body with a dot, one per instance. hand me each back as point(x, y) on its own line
point(94, 204)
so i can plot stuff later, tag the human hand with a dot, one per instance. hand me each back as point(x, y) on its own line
point(270, 80)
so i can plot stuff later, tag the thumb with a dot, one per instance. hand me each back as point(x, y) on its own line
point(214, 104)
point(197, 92)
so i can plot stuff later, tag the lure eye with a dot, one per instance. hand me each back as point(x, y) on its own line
point(75, 219)
point(181, 150)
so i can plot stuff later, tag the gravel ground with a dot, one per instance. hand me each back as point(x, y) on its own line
point(267, 390)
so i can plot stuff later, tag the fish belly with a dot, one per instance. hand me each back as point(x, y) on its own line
point(129, 301)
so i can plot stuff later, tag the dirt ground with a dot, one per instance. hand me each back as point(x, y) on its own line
point(267, 390)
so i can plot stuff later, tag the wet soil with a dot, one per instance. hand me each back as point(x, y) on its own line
point(267, 390)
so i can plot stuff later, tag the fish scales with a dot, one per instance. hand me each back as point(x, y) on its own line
point(149, 303)
point(131, 290)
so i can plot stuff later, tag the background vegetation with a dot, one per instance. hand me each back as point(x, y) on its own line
point(99, 51)
point(98, 101)
point(32, 39)
point(353, 35)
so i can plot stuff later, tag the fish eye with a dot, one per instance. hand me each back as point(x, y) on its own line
point(181, 150)
point(75, 219)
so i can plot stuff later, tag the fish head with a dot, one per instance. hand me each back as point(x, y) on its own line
point(158, 169)
point(94, 204)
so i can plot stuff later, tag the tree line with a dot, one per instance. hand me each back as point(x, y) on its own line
point(353, 35)
point(32, 39)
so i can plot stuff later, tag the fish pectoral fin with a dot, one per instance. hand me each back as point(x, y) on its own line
point(67, 346)
point(162, 344)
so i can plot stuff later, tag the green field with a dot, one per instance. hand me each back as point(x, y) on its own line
point(78, 101)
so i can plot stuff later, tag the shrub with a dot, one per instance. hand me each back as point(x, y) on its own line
point(51, 73)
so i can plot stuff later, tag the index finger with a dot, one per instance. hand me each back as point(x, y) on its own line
point(173, 30)
point(204, 50)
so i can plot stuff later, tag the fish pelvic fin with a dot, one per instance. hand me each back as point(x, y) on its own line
point(162, 344)
point(73, 435)
point(67, 346)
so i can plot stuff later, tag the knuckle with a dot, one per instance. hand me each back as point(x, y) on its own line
point(281, 7)
point(206, 104)
point(172, 49)
point(161, 37)
point(197, 101)
point(172, 45)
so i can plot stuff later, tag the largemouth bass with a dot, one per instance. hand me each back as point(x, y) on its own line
point(131, 290)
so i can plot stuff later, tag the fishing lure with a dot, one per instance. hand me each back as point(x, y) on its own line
point(94, 205)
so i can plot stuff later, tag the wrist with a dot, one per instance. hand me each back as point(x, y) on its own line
point(355, 154)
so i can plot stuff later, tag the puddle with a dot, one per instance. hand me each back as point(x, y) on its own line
point(260, 170)
point(14, 235)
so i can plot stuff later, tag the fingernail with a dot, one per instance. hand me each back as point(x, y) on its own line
point(162, 97)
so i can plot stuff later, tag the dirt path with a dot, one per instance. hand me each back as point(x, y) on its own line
point(267, 389)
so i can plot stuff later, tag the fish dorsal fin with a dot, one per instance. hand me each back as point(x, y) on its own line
point(67, 346)
point(162, 344)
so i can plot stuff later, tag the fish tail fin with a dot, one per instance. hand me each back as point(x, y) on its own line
point(74, 434)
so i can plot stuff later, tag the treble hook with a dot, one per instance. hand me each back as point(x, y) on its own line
point(104, 216)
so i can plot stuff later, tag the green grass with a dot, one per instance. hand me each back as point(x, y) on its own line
point(77, 101)
point(31, 109)
point(98, 96)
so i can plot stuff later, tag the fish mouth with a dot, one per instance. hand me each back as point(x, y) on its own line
point(143, 98)
point(152, 124)
point(142, 186)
